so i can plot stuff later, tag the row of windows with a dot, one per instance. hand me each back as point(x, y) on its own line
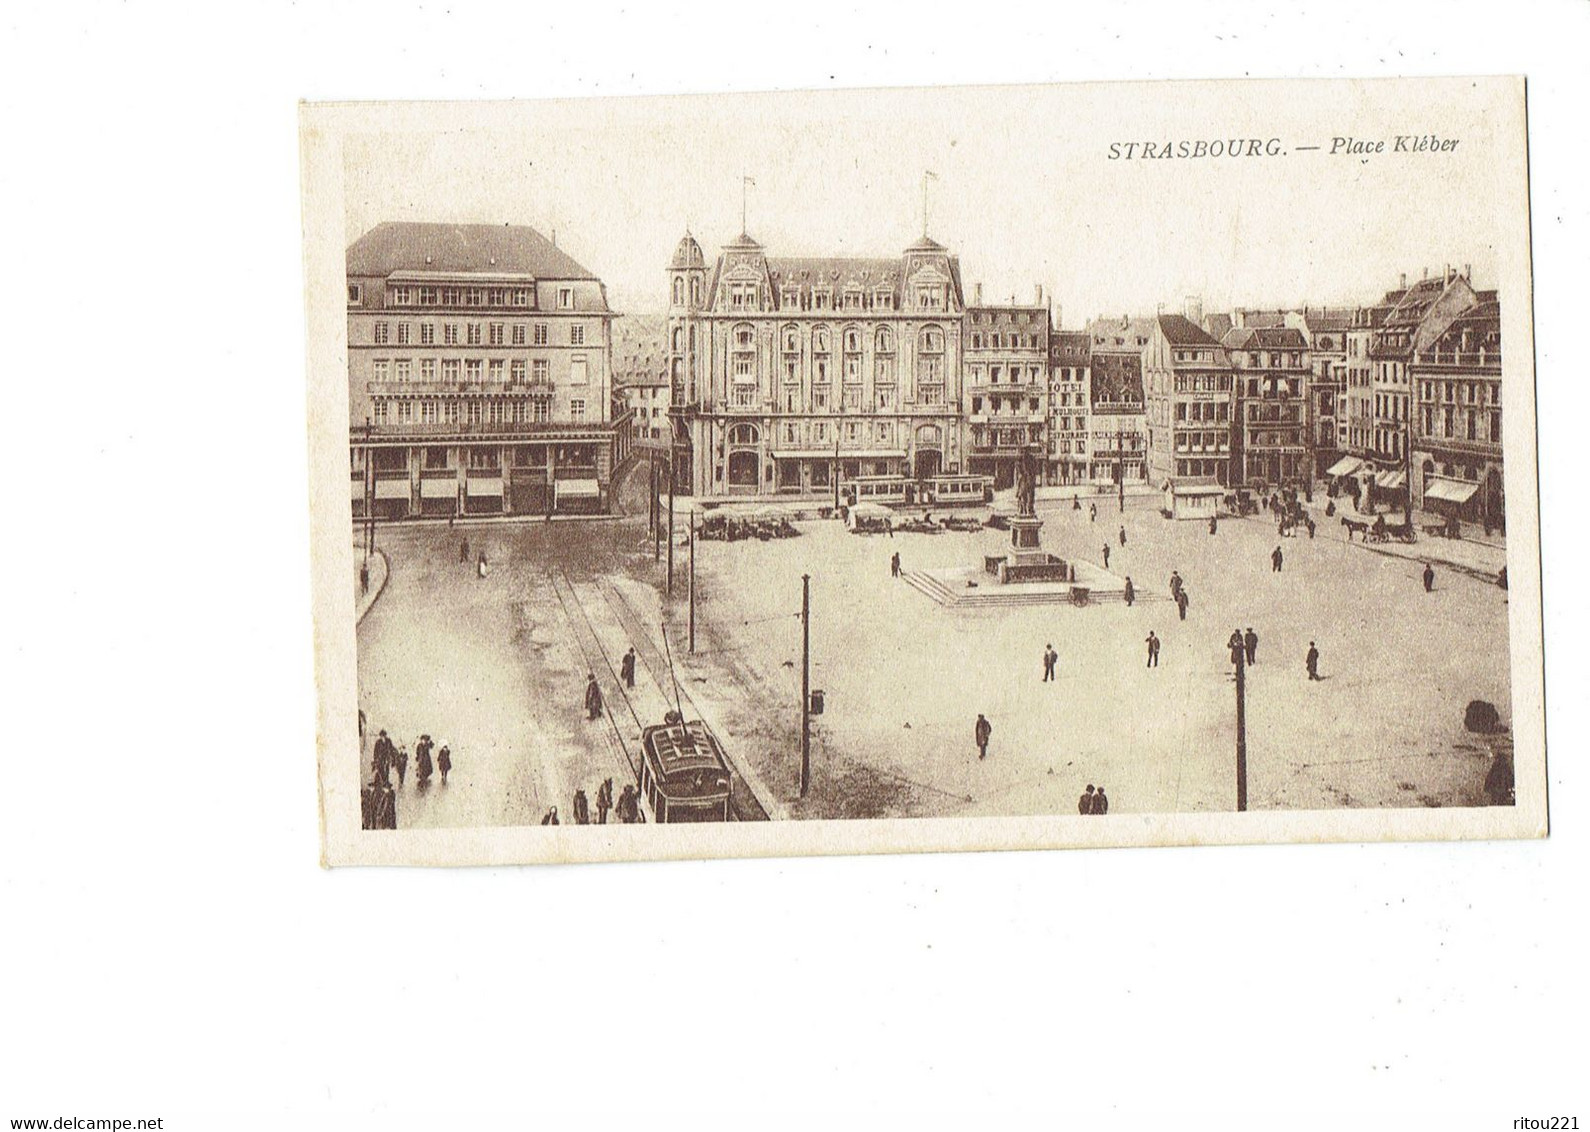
point(531, 410)
point(1004, 341)
point(1015, 374)
point(460, 295)
point(1462, 392)
point(1198, 467)
point(798, 433)
point(822, 299)
point(475, 369)
point(475, 334)
point(930, 339)
point(1218, 411)
point(1455, 424)
point(1008, 404)
point(1213, 441)
point(851, 399)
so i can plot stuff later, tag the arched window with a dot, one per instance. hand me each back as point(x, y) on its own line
point(820, 340)
point(792, 339)
point(884, 342)
point(692, 339)
point(932, 340)
point(679, 337)
point(744, 336)
point(744, 435)
point(695, 292)
point(852, 340)
point(679, 291)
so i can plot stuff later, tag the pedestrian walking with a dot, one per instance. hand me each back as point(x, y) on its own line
point(422, 765)
point(1181, 604)
point(582, 808)
point(550, 817)
point(1211, 524)
point(1312, 661)
point(463, 550)
point(1250, 645)
point(626, 667)
point(400, 763)
point(1153, 649)
point(628, 806)
point(1310, 522)
point(1085, 803)
point(1275, 560)
point(1123, 536)
point(981, 733)
point(1129, 593)
point(1106, 556)
point(593, 697)
point(364, 577)
point(604, 800)
point(444, 762)
point(1175, 583)
point(1101, 804)
point(1049, 659)
point(1429, 578)
point(1093, 512)
point(480, 565)
point(382, 758)
point(1076, 503)
point(894, 564)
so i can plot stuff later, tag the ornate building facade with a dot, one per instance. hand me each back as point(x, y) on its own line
point(1006, 351)
point(786, 371)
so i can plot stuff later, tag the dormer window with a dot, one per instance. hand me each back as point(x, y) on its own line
point(565, 298)
point(355, 294)
point(883, 300)
point(821, 299)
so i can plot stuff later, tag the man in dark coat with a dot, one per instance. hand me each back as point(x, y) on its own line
point(1049, 658)
point(1093, 512)
point(582, 809)
point(1181, 603)
point(1250, 645)
point(1101, 804)
point(400, 763)
point(626, 668)
point(444, 762)
point(422, 765)
point(382, 760)
point(1130, 592)
point(604, 800)
point(1175, 582)
point(1153, 649)
point(1123, 536)
point(1275, 560)
point(1212, 524)
point(1106, 556)
point(628, 806)
point(1429, 577)
point(1312, 661)
point(1085, 803)
point(981, 732)
point(593, 697)
point(463, 550)
point(550, 817)
point(1237, 646)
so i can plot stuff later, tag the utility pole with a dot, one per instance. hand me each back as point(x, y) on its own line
point(692, 636)
point(1120, 465)
point(670, 528)
point(806, 682)
point(369, 492)
point(1239, 658)
point(1407, 460)
point(835, 476)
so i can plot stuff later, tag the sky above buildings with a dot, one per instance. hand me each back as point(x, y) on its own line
point(1026, 191)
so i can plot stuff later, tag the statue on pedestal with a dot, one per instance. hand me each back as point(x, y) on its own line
point(1026, 483)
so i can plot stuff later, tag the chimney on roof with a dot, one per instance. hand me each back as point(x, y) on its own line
point(1446, 274)
point(1468, 272)
point(1402, 281)
point(1037, 294)
point(977, 294)
point(1194, 309)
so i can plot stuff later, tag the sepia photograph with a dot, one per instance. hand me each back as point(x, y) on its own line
point(898, 460)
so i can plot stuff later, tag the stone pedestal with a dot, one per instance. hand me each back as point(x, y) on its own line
point(1024, 546)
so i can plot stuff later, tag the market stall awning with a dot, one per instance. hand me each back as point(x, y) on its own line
point(1450, 491)
point(392, 489)
point(574, 488)
point(1346, 466)
point(485, 485)
point(439, 489)
point(1391, 480)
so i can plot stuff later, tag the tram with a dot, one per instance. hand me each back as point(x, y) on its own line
point(683, 774)
point(940, 491)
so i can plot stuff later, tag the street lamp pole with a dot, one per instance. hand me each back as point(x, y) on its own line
point(1239, 659)
point(670, 528)
point(692, 633)
point(835, 476)
point(806, 682)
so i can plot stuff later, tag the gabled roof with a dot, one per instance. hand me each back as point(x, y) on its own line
point(1264, 338)
point(1117, 335)
point(1217, 324)
point(400, 245)
point(1180, 330)
point(1262, 319)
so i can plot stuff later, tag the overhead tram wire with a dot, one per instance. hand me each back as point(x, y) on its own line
point(585, 655)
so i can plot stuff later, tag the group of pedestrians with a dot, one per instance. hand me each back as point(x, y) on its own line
point(389, 757)
point(480, 558)
point(627, 807)
point(1093, 801)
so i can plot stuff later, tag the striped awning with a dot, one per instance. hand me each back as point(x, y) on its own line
point(1391, 480)
point(1450, 491)
point(1346, 466)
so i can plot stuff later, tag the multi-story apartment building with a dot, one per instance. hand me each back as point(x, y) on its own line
point(1324, 330)
point(783, 368)
point(1272, 376)
point(1418, 319)
point(1457, 447)
point(1069, 406)
point(1005, 355)
point(1187, 386)
point(1357, 407)
point(1117, 426)
point(478, 374)
point(640, 377)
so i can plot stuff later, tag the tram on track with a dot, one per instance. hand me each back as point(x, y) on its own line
point(683, 774)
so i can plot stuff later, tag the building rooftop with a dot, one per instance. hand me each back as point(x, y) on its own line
point(1264, 338)
point(1180, 330)
point(489, 249)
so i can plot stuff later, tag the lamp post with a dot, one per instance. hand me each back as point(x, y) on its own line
point(806, 683)
point(1239, 661)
